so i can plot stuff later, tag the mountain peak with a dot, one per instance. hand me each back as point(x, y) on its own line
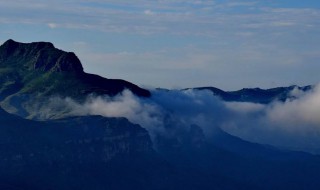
point(10, 41)
point(41, 56)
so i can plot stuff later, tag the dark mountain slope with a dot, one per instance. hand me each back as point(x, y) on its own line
point(96, 153)
point(76, 153)
point(90, 152)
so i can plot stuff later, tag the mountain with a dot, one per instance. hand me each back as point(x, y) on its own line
point(38, 70)
point(256, 95)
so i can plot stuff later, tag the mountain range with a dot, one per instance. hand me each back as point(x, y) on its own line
point(96, 152)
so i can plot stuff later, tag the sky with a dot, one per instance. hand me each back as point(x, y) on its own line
point(178, 43)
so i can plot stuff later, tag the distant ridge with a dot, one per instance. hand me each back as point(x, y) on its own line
point(256, 95)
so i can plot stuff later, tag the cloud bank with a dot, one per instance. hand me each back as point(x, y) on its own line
point(294, 124)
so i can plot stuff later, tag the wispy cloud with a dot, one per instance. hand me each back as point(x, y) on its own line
point(176, 17)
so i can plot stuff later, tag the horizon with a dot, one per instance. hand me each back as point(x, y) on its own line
point(225, 44)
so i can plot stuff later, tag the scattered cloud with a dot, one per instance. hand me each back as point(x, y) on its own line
point(176, 16)
point(239, 4)
point(284, 24)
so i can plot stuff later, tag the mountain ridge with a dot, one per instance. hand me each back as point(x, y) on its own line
point(39, 70)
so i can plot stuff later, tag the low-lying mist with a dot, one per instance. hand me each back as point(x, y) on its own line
point(293, 124)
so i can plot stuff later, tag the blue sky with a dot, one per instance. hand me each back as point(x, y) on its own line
point(178, 43)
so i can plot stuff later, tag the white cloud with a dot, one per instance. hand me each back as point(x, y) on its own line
point(52, 25)
point(148, 12)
